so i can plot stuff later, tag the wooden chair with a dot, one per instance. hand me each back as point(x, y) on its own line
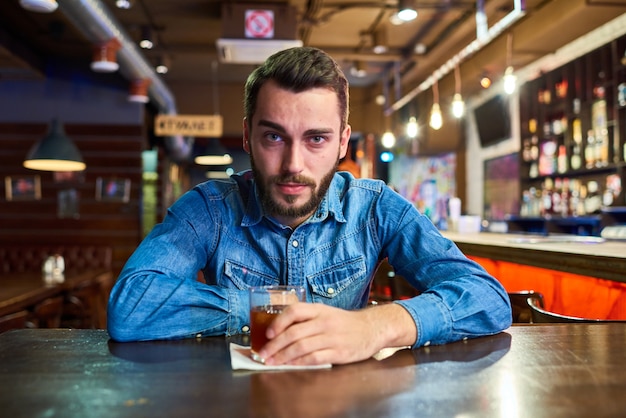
point(47, 314)
point(540, 316)
point(85, 306)
point(17, 320)
point(519, 305)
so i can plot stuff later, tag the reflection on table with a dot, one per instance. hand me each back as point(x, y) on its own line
point(535, 370)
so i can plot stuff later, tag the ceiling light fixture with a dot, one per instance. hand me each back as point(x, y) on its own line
point(105, 56)
point(146, 41)
point(379, 40)
point(54, 152)
point(139, 90)
point(406, 11)
point(214, 154)
point(123, 4)
point(412, 128)
point(162, 66)
point(509, 79)
point(436, 119)
point(485, 81)
point(358, 69)
point(388, 140)
point(39, 6)
point(458, 105)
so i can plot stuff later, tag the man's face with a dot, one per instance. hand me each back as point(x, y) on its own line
point(295, 144)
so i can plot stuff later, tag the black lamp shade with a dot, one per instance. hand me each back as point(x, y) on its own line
point(214, 154)
point(55, 152)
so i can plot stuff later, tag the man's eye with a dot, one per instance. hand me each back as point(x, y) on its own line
point(273, 137)
point(317, 139)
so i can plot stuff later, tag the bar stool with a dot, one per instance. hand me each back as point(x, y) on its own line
point(542, 316)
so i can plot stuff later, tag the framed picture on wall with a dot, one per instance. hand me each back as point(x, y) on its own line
point(22, 187)
point(112, 189)
point(67, 204)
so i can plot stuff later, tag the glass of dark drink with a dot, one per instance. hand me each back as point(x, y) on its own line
point(267, 302)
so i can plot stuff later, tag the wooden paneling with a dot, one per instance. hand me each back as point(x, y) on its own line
point(110, 151)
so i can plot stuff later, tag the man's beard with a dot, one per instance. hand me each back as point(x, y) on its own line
point(275, 208)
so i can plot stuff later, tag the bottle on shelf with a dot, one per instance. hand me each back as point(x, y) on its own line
point(574, 199)
point(590, 150)
point(546, 197)
point(593, 200)
point(577, 135)
point(561, 162)
point(599, 123)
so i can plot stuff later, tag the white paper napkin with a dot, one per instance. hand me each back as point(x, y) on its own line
point(240, 360)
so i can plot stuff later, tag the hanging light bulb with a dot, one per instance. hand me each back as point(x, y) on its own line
point(436, 119)
point(412, 128)
point(509, 80)
point(388, 140)
point(485, 81)
point(458, 106)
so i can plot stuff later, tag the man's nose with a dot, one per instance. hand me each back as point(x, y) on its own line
point(293, 160)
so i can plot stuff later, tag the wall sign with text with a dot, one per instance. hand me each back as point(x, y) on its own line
point(188, 125)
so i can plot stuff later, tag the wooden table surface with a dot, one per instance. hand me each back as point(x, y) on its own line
point(23, 290)
point(560, 370)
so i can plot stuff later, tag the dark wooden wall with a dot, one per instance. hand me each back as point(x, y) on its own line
point(109, 151)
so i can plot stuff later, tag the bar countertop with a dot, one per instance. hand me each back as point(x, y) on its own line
point(556, 370)
point(589, 256)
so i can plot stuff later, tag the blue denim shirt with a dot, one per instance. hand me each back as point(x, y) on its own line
point(219, 227)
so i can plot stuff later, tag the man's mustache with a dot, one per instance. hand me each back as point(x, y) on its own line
point(293, 179)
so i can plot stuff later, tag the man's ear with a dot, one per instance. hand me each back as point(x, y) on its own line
point(345, 141)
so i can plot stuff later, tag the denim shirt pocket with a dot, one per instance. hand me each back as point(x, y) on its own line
point(335, 285)
point(243, 277)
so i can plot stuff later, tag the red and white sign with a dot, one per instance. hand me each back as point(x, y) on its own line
point(259, 24)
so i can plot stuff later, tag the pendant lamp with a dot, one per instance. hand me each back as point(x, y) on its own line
point(39, 6)
point(214, 154)
point(55, 152)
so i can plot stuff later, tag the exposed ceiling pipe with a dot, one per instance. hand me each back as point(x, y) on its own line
point(98, 25)
point(484, 37)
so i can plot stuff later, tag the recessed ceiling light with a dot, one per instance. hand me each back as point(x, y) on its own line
point(39, 6)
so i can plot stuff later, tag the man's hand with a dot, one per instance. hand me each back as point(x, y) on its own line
point(311, 333)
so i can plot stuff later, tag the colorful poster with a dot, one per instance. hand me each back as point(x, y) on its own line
point(428, 182)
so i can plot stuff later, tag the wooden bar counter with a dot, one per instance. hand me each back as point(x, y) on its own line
point(605, 260)
point(557, 370)
point(578, 276)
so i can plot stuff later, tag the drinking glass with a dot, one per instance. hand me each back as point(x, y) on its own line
point(266, 303)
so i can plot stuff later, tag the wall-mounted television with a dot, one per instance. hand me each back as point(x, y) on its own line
point(493, 120)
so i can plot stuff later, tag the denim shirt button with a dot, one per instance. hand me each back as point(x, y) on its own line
point(295, 243)
point(245, 328)
point(330, 291)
